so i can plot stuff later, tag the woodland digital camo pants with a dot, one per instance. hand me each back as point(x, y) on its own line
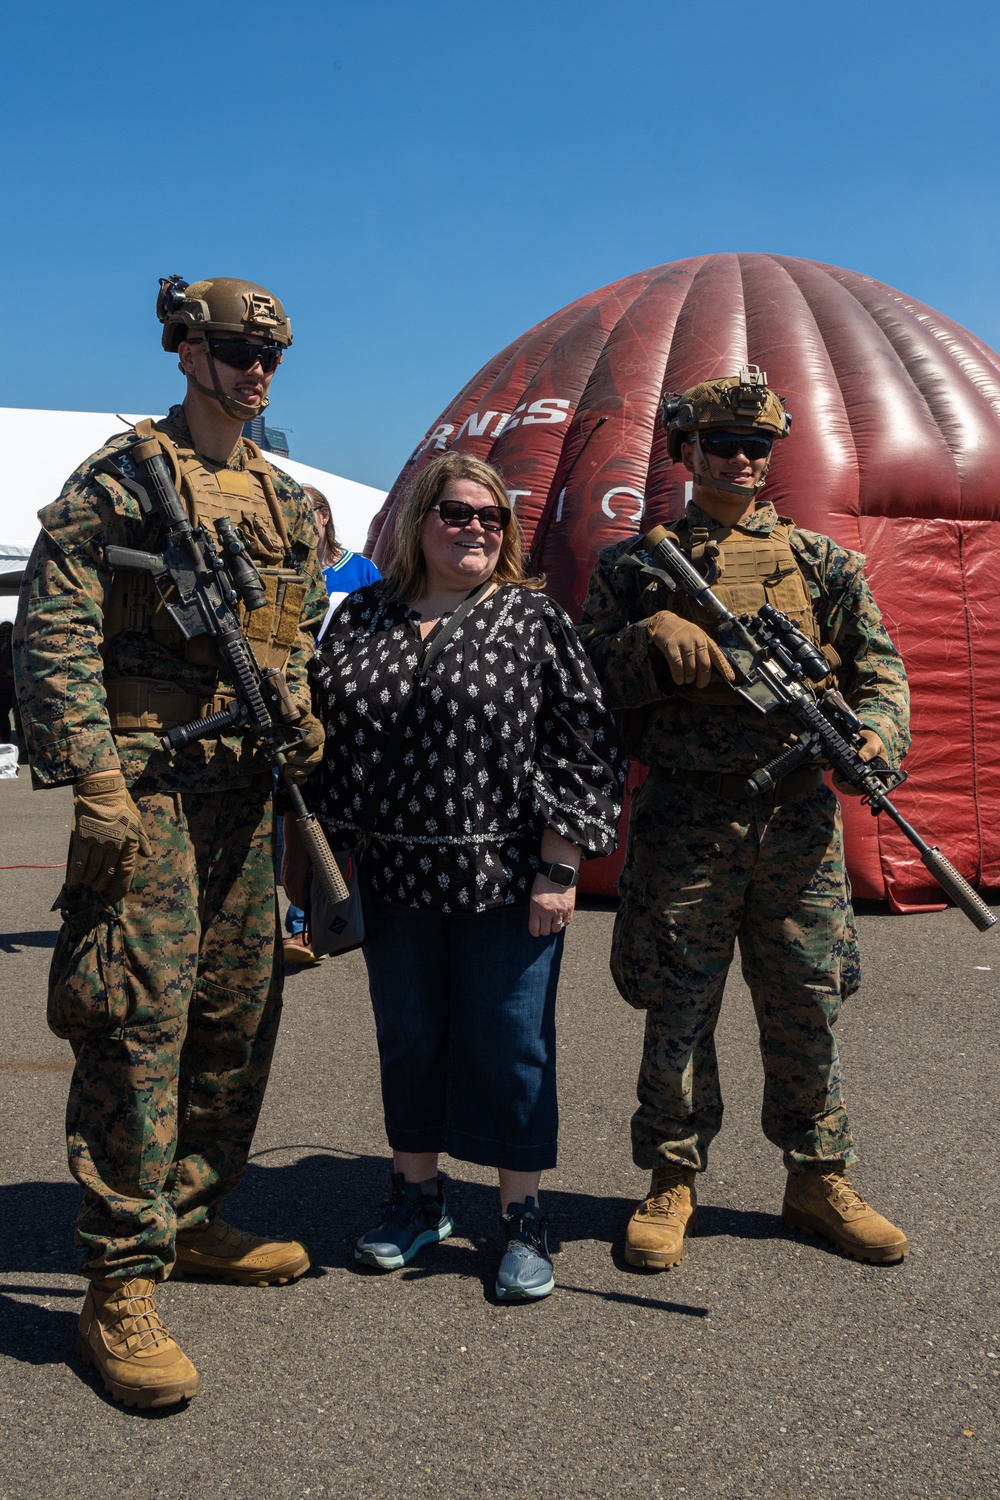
point(171, 1003)
point(700, 874)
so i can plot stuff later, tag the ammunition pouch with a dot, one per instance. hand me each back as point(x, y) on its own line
point(145, 704)
point(751, 569)
point(271, 631)
point(248, 497)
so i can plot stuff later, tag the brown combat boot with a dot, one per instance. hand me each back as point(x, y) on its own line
point(122, 1335)
point(822, 1200)
point(655, 1235)
point(229, 1254)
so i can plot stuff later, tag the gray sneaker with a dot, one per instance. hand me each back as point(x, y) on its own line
point(412, 1219)
point(526, 1268)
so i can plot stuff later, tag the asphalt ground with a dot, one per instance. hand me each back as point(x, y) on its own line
point(766, 1365)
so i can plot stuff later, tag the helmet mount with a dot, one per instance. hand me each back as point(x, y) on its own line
point(732, 401)
point(222, 304)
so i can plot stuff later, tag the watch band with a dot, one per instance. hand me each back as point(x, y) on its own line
point(563, 875)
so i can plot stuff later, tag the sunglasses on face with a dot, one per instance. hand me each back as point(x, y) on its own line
point(728, 444)
point(459, 513)
point(241, 354)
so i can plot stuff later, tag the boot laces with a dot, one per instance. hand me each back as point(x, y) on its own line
point(663, 1205)
point(240, 1241)
point(664, 1197)
point(219, 1237)
point(843, 1190)
point(134, 1320)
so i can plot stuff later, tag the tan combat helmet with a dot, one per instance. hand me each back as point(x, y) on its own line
point(743, 401)
point(222, 304)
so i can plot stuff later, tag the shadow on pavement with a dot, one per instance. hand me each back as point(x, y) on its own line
point(742, 1225)
point(739, 1224)
point(13, 942)
point(637, 1299)
point(36, 1239)
point(330, 1197)
point(36, 1228)
point(326, 1198)
point(38, 1335)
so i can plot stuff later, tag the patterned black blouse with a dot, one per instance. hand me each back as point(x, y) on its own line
point(507, 735)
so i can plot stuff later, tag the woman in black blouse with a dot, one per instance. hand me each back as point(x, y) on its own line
point(504, 773)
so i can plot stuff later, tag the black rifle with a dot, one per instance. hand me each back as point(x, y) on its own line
point(201, 585)
point(777, 668)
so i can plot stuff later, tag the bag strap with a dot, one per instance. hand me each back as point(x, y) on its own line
point(433, 644)
point(438, 638)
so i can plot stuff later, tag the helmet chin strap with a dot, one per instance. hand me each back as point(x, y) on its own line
point(239, 410)
point(704, 477)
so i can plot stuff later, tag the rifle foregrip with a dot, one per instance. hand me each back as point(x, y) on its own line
point(321, 857)
point(767, 776)
point(959, 889)
point(201, 729)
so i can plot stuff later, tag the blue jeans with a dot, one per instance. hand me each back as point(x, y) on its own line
point(465, 1018)
point(295, 921)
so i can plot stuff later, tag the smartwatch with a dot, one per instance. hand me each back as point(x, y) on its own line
point(564, 875)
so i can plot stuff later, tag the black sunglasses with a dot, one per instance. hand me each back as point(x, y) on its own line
point(241, 354)
point(728, 444)
point(460, 513)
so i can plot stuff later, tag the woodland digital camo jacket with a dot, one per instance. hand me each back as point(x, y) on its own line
point(62, 659)
point(679, 731)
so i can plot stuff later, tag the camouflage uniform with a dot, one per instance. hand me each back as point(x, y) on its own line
point(706, 866)
point(171, 997)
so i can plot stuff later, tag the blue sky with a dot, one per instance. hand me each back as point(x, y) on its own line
point(422, 180)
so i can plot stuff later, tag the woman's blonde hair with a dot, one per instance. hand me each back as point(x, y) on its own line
point(328, 549)
point(404, 573)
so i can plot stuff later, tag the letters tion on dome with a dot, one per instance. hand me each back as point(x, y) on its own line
point(894, 451)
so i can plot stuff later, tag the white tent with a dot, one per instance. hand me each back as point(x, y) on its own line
point(41, 449)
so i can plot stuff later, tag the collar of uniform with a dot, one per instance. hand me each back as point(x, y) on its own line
point(174, 426)
point(760, 523)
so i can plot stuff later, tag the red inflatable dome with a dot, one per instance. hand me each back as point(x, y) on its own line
point(895, 451)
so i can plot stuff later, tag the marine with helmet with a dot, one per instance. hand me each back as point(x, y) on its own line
point(166, 977)
point(706, 867)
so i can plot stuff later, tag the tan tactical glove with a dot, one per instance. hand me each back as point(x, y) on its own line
point(690, 651)
point(305, 750)
point(871, 748)
point(107, 835)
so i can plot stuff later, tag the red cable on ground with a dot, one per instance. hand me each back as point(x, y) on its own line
point(34, 867)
